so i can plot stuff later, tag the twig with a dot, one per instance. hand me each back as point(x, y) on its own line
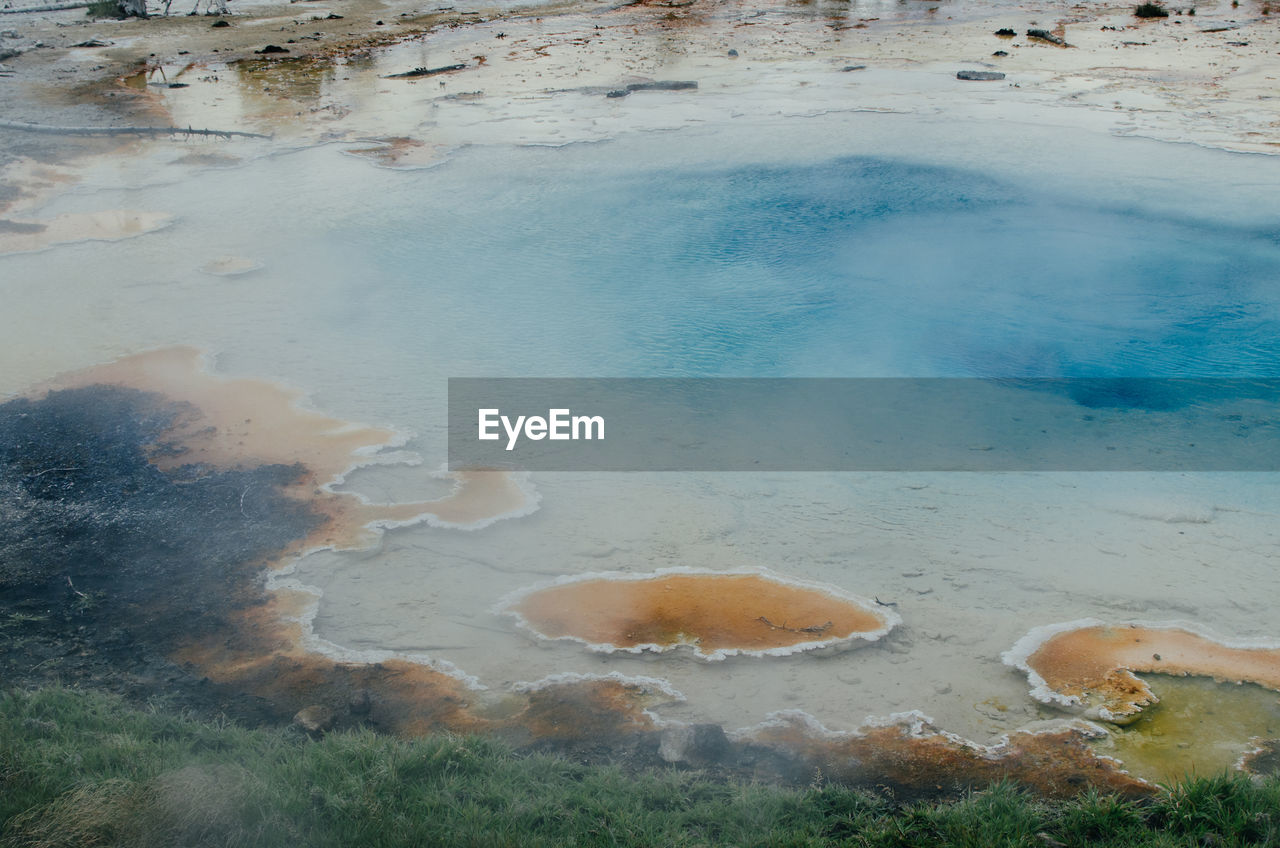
point(813, 628)
point(54, 7)
point(52, 470)
point(425, 72)
point(41, 128)
point(73, 588)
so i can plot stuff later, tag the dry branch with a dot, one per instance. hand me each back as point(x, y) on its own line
point(41, 128)
point(52, 7)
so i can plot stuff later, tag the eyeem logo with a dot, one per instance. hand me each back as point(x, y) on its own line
point(872, 424)
point(559, 425)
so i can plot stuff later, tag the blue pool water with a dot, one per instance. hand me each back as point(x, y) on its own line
point(850, 267)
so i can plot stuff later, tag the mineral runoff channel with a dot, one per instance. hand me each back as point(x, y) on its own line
point(871, 424)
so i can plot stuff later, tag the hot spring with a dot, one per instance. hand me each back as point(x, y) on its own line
point(850, 245)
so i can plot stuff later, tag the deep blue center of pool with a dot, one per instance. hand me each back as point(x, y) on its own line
point(852, 267)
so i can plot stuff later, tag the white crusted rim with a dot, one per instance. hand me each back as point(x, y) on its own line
point(647, 685)
point(506, 606)
point(1020, 654)
point(520, 479)
point(281, 581)
point(917, 725)
point(1259, 747)
point(568, 678)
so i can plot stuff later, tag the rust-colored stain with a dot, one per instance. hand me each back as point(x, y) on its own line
point(589, 708)
point(259, 646)
point(1098, 663)
point(254, 642)
point(921, 761)
point(708, 611)
point(243, 423)
point(1264, 759)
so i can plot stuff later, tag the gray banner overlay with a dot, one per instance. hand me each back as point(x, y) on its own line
point(712, 424)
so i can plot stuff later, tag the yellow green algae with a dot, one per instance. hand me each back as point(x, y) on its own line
point(1200, 727)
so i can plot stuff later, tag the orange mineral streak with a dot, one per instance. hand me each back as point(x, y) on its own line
point(261, 653)
point(235, 423)
point(1097, 664)
point(401, 152)
point(110, 225)
point(245, 423)
point(600, 709)
point(928, 763)
point(714, 612)
point(259, 647)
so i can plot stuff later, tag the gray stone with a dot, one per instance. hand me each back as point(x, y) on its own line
point(1045, 35)
point(360, 702)
point(314, 719)
point(695, 744)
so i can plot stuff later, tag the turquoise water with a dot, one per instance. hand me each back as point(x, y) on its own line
point(565, 263)
point(850, 267)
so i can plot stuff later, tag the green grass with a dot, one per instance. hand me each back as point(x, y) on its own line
point(80, 769)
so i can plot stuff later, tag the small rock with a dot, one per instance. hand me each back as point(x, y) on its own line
point(1045, 35)
point(360, 702)
point(1000, 53)
point(733, 54)
point(9, 53)
point(332, 17)
point(271, 48)
point(695, 744)
point(220, 24)
point(1005, 32)
point(618, 92)
point(979, 75)
point(314, 719)
point(848, 68)
point(674, 742)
